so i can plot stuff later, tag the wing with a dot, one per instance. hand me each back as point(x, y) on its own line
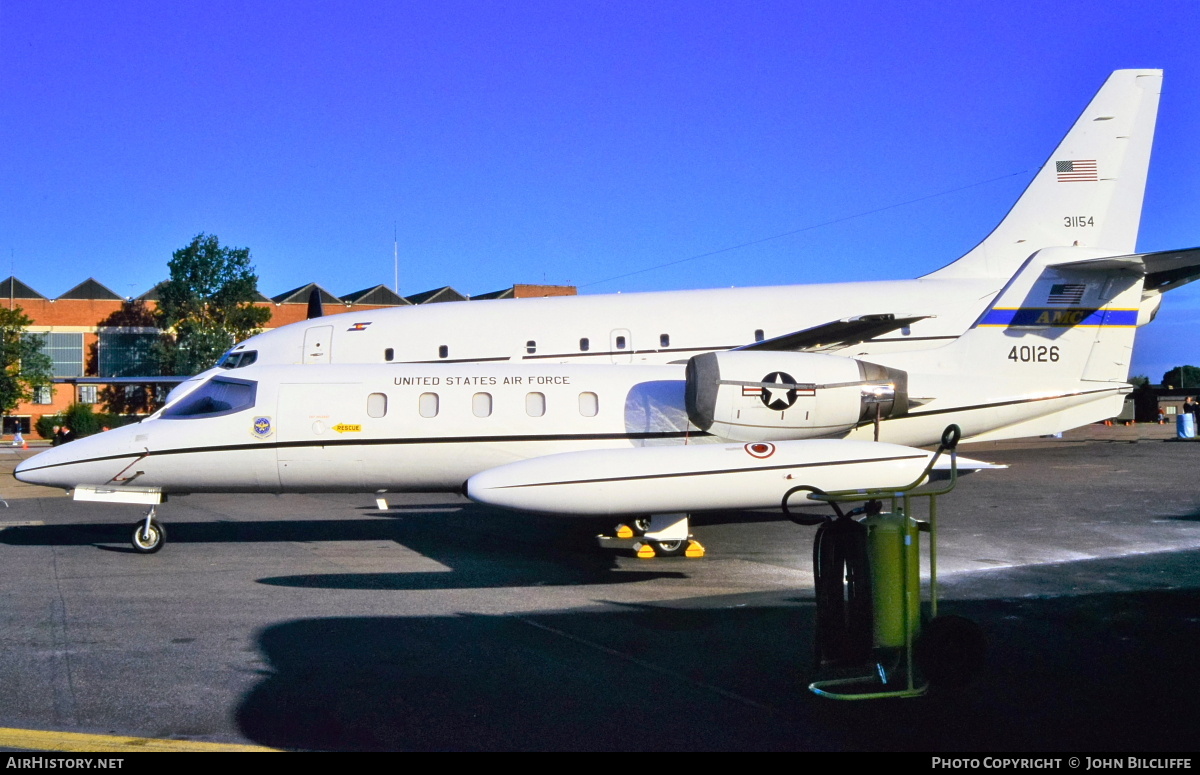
point(835, 334)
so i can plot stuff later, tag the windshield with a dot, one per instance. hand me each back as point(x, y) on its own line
point(218, 396)
point(236, 360)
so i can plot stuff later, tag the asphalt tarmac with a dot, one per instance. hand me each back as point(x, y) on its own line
point(322, 623)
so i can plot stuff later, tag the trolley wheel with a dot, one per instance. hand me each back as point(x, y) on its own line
point(641, 525)
point(670, 548)
point(950, 651)
point(151, 542)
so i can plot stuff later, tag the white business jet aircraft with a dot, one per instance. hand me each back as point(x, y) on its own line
point(1088, 195)
point(729, 430)
point(1051, 300)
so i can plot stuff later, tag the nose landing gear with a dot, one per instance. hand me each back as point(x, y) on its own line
point(148, 534)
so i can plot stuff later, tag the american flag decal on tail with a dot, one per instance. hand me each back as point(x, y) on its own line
point(1076, 171)
point(1067, 293)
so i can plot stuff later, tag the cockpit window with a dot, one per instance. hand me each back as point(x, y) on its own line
point(218, 396)
point(232, 360)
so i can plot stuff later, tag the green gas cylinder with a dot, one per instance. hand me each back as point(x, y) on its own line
point(894, 560)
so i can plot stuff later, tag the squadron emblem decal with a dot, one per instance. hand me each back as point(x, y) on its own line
point(262, 428)
point(359, 326)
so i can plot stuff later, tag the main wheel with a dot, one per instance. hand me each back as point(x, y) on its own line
point(670, 548)
point(148, 542)
point(950, 651)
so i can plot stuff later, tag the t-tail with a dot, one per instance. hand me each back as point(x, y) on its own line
point(1089, 193)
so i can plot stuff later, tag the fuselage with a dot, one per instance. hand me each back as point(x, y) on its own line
point(414, 427)
point(635, 328)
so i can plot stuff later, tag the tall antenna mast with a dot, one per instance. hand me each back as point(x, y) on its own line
point(395, 260)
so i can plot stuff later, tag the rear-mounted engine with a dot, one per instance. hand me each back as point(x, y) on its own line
point(766, 396)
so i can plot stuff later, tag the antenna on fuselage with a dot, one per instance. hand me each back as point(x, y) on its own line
point(315, 310)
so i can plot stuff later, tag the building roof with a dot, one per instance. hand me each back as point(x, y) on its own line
point(12, 288)
point(445, 293)
point(525, 291)
point(300, 295)
point(89, 289)
point(155, 293)
point(507, 293)
point(379, 295)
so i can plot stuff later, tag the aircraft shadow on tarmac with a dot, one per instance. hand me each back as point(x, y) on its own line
point(481, 548)
point(1099, 672)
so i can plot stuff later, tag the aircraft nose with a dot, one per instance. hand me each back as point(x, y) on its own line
point(67, 465)
point(33, 470)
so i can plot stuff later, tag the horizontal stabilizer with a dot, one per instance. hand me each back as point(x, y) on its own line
point(1164, 270)
point(838, 333)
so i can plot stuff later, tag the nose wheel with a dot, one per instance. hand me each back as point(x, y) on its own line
point(148, 535)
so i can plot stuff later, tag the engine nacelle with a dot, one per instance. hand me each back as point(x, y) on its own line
point(772, 396)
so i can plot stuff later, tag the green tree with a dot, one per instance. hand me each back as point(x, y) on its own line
point(207, 305)
point(23, 366)
point(1183, 377)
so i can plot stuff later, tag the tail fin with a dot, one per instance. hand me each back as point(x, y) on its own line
point(1089, 193)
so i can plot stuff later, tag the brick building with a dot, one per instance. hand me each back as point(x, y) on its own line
point(88, 339)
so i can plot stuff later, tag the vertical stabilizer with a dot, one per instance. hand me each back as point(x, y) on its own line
point(1089, 193)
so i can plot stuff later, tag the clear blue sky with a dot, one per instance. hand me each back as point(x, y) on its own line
point(565, 142)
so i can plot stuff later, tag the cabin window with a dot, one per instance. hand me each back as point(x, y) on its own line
point(620, 343)
point(531, 347)
point(664, 340)
point(584, 345)
point(481, 404)
point(389, 354)
point(758, 334)
point(376, 405)
point(443, 352)
point(428, 404)
point(535, 404)
point(589, 404)
point(218, 396)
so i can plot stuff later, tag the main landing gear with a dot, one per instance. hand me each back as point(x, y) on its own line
point(148, 534)
point(659, 535)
